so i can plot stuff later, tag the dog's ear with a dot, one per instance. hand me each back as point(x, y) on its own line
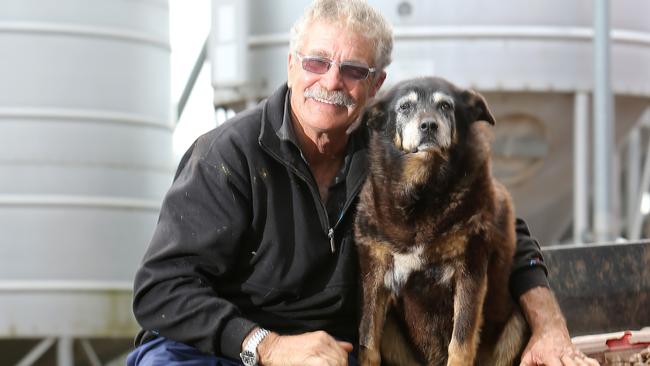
point(478, 108)
point(374, 116)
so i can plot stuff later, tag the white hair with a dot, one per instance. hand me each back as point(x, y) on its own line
point(357, 16)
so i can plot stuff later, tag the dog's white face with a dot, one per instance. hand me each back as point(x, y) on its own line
point(426, 115)
point(424, 121)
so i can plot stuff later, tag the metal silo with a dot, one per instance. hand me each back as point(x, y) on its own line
point(85, 158)
point(532, 62)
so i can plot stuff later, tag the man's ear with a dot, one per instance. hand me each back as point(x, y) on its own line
point(377, 83)
point(478, 108)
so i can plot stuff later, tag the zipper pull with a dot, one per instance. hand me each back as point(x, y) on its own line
point(330, 234)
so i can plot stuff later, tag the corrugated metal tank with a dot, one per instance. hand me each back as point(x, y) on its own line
point(528, 58)
point(85, 158)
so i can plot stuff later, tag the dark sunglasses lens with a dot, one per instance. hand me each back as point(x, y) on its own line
point(354, 72)
point(315, 65)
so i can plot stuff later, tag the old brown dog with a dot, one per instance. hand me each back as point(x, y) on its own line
point(435, 233)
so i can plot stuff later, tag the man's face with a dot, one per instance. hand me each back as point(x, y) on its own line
point(340, 45)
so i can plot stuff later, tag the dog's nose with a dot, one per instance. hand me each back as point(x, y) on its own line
point(428, 125)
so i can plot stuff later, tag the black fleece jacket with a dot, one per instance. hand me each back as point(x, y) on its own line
point(243, 240)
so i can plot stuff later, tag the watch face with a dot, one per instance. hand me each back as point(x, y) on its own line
point(248, 358)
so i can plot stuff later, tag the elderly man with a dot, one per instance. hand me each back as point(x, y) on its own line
point(252, 260)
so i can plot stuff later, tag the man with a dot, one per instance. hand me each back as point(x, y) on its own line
point(255, 232)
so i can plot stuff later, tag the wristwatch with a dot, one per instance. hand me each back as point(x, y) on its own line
point(249, 354)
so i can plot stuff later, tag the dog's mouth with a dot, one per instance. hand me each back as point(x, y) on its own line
point(412, 140)
point(427, 146)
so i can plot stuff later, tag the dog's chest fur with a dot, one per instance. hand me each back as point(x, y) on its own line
point(437, 260)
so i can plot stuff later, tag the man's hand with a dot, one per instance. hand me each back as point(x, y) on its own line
point(549, 343)
point(316, 348)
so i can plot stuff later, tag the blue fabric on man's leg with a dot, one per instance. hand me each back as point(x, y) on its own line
point(163, 351)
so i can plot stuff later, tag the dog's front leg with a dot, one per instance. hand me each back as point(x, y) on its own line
point(375, 295)
point(470, 289)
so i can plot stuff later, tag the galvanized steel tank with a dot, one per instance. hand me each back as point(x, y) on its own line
point(85, 158)
point(530, 59)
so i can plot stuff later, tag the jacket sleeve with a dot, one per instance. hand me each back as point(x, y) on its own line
point(528, 267)
point(196, 244)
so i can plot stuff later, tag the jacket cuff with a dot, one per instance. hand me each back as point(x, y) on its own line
point(526, 279)
point(232, 336)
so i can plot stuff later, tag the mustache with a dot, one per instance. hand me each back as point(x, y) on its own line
point(335, 97)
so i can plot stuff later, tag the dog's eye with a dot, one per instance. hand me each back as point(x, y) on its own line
point(445, 106)
point(405, 107)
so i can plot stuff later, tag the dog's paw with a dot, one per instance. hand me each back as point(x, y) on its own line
point(459, 361)
point(369, 358)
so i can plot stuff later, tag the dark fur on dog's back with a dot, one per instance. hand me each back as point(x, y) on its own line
point(435, 232)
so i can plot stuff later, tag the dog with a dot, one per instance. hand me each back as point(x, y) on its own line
point(434, 233)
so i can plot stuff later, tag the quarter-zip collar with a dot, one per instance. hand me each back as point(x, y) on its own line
point(278, 139)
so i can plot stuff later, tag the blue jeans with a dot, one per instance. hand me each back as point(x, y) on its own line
point(163, 351)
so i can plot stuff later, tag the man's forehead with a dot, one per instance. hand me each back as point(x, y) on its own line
point(320, 52)
point(321, 42)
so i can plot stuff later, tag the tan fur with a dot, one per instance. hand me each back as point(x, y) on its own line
point(509, 344)
point(463, 353)
point(415, 169)
point(460, 354)
point(379, 253)
point(395, 348)
point(454, 246)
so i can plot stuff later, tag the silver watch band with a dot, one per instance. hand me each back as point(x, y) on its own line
point(249, 354)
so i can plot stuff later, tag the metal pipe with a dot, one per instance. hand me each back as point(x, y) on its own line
point(65, 286)
point(65, 352)
point(637, 219)
point(603, 227)
point(633, 171)
point(580, 166)
point(582, 34)
point(90, 353)
point(79, 201)
point(37, 352)
point(90, 31)
point(616, 194)
point(191, 80)
point(107, 117)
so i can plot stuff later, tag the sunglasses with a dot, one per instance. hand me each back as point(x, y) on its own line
point(321, 65)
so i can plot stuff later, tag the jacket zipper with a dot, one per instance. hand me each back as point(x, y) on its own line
point(322, 212)
point(330, 233)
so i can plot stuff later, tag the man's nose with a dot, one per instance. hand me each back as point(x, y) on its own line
point(332, 79)
point(428, 125)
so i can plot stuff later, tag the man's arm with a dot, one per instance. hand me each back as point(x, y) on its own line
point(549, 343)
point(196, 244)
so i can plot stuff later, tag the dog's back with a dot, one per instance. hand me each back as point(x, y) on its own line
point(435, 232)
